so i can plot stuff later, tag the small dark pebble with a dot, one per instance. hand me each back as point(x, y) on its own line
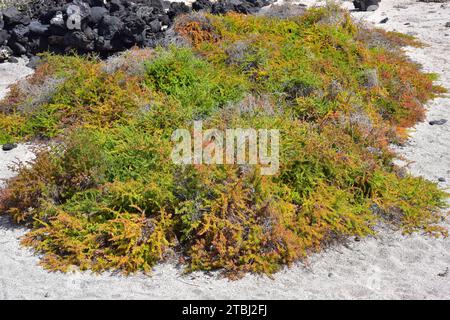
point(407, 24)
point(443, 274)
point(441, 180)
point(357, 239)
point(9, 146)
point(384, 20)
point(447, 25)
point(330, 275)
point(438, 122)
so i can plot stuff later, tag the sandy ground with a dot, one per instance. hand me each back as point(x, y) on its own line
point(389, 267)
point(10, 73)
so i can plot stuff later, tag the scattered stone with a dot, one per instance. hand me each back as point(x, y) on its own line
point(13, 60)
point(441, 179)
point(366, 5)
point(4, 37)
point(373, 7)
point(20, 34)
point(384, 20)
point(9, 146)
point(5, 53)
point(97, 14)
point(155, 26)
point(58, 20)
point(438, 122)
point(12, 16)
point(447, 25)
point(202, 5)
point(79, 40)
point(38, 28)
point(18, 48)
point(177, 8)
point(109, 27)
point(443, 274)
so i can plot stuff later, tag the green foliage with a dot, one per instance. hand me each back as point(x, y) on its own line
point(105, 195)
point(410, 202)
point(199, 87)
point(87, 95)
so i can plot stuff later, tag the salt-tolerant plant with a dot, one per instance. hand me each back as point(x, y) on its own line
point(105, 194)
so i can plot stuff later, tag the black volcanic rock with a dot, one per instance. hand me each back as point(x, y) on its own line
point(12, 16)
point(97, 14)
point(96, 3)
point(38, 28)
point(177, 8)
point(155, 26)
point(13, 60)
point(79, 40)
point(366, 5)
point(157, 4)
point(105, 27)
point(110, 26)
point(439, 122)
point(116, 5)
point(4, 37)
point(20, 34)
point(18, 48)
point(202, 5)
point(9, 146)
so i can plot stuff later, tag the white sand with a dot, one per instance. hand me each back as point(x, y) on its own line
point(389, 267)
point(10, 73)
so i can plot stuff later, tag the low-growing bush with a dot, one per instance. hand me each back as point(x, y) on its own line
point(197, 85)
point(105, 195)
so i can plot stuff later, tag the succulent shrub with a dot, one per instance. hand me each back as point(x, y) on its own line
point(105, 195)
